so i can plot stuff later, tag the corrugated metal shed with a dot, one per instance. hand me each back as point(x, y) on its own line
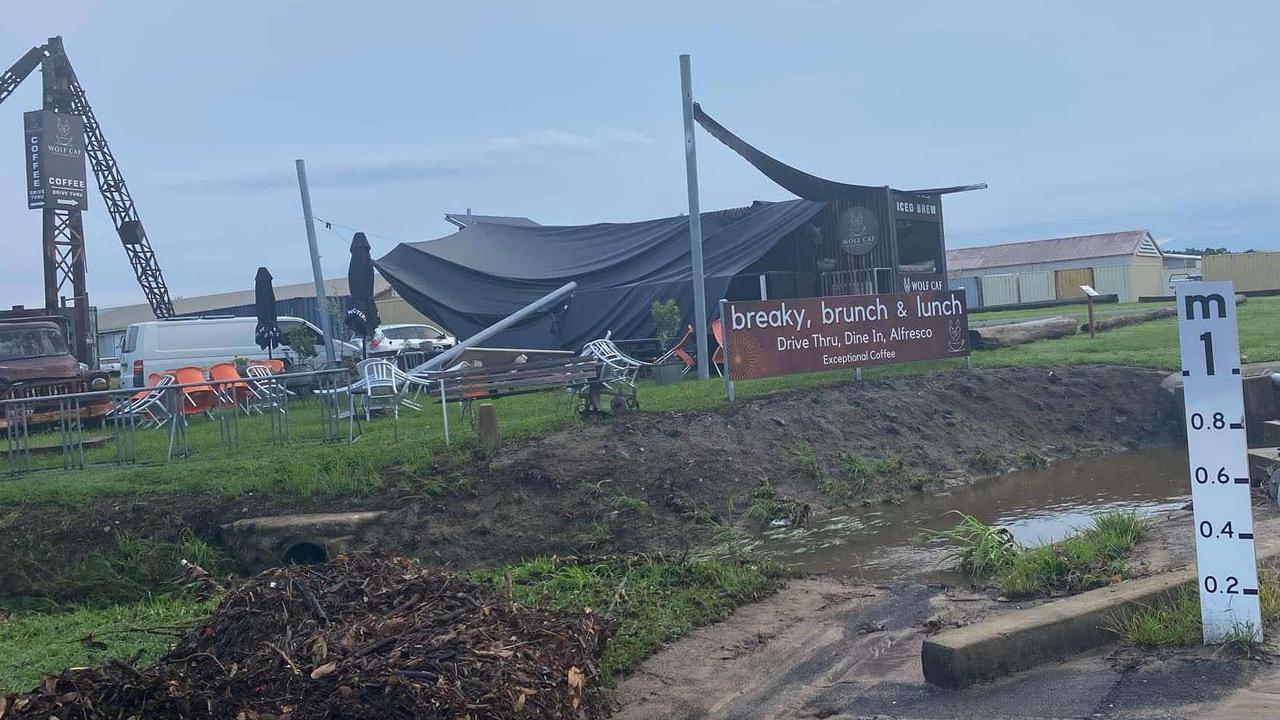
point(118, 318)
point(1079, 247)
point(1249, 271)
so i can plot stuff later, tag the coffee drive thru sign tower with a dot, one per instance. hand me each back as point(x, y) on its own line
point(1217, 447)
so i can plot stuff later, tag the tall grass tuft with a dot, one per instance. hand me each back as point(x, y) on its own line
point(1080, 562)
point(980, 550)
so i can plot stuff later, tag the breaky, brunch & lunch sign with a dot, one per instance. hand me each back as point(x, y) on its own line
point(781, 337)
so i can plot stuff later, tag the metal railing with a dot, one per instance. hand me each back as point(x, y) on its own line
point(850, 282)
point(36, 428)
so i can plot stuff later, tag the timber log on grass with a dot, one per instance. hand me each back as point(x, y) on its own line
point(992, 336)
point(1141, 317)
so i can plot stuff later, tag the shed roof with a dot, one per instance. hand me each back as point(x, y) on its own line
point(464, 219)
point(118, 318)
point(1076, 247)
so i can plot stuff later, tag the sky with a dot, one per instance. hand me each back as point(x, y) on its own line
point(1082, 117)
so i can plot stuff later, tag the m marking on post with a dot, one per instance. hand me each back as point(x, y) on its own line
point(1203, 301)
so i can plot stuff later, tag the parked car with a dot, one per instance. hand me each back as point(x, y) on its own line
point(109, 365)
point(158, 345)
point(406, 337)
point(1176, 278)
point(35, 363)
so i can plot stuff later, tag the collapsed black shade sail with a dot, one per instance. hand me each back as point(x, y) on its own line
point(482, 273)
point(267, 332)
point(362, 318)
point(798, 182)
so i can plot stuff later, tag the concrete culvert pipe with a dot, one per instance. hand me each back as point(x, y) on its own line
point(305, 553)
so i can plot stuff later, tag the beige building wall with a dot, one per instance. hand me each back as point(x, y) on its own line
point(1147, 279)
point(1247, 271)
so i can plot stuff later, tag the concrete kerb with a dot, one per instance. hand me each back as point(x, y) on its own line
point(1020, 640)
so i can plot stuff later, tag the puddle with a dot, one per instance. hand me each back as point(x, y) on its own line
point(1038, 506)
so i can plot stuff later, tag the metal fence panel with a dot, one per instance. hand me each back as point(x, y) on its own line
point(972, 295)
point(1036, 286)
point(999, 289)
point(1114, 279)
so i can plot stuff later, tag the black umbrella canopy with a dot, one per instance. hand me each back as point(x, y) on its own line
point(267, 333)
point(362, 318)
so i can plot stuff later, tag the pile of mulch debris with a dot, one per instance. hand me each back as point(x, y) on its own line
point(361, 637)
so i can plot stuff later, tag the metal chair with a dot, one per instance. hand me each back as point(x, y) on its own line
point(149, 404)
point(266, 390)
point(381, 386)
point(618, 371)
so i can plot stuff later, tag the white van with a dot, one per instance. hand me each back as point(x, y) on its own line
point(159, 345)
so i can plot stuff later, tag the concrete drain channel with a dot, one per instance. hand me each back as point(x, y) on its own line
point(265, 542)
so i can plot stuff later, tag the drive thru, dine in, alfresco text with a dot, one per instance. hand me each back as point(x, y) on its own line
point(779, 337)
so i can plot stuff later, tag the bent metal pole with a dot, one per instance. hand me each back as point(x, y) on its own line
point(443, 358)
point(695, 222)
point(326, 324)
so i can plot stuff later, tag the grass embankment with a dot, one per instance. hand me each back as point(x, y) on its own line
point(317, 469)
point(653, 601)
point(1176, 622)
point(1089, 559)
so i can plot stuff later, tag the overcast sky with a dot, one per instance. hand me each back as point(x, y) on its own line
point(1081, 116)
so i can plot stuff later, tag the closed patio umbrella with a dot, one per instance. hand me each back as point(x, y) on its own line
point(267, 332)
point(362, 317)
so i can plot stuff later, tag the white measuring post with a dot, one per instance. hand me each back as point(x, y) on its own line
point(1217, 448)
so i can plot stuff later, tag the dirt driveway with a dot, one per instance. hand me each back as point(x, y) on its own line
point(823, 648)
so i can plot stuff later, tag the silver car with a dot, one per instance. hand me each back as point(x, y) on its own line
point(408, 337)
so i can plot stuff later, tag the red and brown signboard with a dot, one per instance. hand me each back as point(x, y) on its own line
point(781, 337)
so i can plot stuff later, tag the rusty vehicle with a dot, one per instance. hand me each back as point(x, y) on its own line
point(35, 363)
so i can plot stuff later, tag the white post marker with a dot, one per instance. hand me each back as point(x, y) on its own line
point(1217, 447)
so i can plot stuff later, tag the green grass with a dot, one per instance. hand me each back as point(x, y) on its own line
point(859, 473)
point(32, 644)
point(134, 569)
point(1176, 621)
point(310, 468)
point(653, 601)
point(1080, 562)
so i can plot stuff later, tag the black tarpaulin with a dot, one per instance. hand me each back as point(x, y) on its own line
point(798, 182)
point(482, 273)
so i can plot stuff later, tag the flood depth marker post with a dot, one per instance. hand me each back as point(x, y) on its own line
point(1217, 448)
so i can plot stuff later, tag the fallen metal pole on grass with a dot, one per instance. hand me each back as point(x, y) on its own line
point(443, 358)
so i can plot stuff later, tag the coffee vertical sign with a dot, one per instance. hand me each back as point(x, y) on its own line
point(781, 337)
point(54, 149)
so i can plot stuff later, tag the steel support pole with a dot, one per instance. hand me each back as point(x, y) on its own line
point(326, 323)
point(729, 393)
point(695, 223)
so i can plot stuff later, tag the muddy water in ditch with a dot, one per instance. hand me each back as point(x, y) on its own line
point(889, 542)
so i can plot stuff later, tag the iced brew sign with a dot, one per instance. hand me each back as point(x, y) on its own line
point(780, 337)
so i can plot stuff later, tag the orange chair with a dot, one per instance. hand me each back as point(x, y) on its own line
point(231, 390)
point(679, 352)
point(276, 365)
point(199, 398)
point(717, 357)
